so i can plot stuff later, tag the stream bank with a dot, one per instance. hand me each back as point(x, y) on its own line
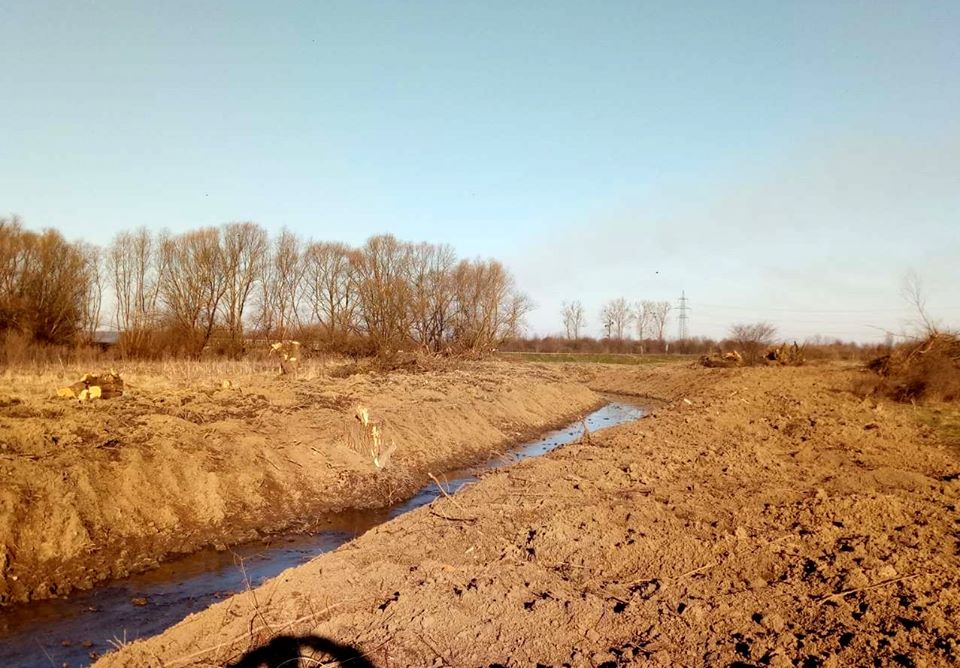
point(98, 491)
point(76, 630)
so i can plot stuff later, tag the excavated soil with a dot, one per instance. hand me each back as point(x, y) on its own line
point(758, 517)
point(96, 491)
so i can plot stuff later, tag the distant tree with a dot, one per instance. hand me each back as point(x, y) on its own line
point(574, 318)
point(329, 288)
point(245, 251)
point(194, 286)
point(381, 268)
point(135, 272)
point(44, 284)
point(93, 272)
point(913, 292)
point(281, 286)
point(752, 339)
point(54, 288)
point(659, 314)
point(432, 295)
point(489, 308)
point(519, 305)
point(643, 316)
point(11, 259)
point(616, 317)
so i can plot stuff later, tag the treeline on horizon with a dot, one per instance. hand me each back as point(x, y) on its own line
point(814, 348)
point(213, 289)
point(649, 319)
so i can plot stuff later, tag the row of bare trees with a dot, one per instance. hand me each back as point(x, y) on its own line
point(184, 293)
point(617, 317)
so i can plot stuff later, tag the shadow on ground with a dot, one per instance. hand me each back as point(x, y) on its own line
point(287, 651)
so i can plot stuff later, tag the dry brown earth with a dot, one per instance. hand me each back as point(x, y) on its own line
point(760, 517)
point(93, 491)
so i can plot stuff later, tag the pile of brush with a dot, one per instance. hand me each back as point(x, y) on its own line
point(927, 369)
point(785, 355)
point(721, 360)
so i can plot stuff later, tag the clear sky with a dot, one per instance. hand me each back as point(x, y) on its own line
point(778, 160)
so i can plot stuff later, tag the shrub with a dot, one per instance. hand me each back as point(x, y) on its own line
point(752, 339)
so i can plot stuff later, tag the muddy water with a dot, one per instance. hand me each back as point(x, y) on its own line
point(76, 630)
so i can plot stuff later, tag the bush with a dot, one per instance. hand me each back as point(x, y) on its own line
point(752, 339)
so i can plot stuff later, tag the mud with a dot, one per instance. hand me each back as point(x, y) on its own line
point(758, 517)
point(100, 490)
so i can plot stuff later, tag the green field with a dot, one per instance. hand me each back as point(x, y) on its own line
point(597, 358)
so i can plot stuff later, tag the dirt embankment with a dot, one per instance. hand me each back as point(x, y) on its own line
point(761, 517)
point(93, 491)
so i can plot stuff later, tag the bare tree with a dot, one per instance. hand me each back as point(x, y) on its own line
point(383, 291)
point(432, 295)
point(574, 318)
point(643, 314)
point(913, 292)
point(53, 288)
point(616, 317)
point(329, 288)
point(93, 264)
point(45, 284)
point(489, 308)
point(519, 307)
point(12, 262)
point(281, 286)
point(245, 248)
point(752, 339)
point(660, 313)
point(135, 270)
point(194, 285)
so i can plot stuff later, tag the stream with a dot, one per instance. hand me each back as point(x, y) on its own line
point(76, 630)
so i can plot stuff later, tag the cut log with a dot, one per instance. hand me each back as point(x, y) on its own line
point(94, 386)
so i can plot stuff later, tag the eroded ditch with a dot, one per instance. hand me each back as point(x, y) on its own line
point(76, 630)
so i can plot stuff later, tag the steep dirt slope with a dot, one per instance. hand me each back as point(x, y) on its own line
point(762, 517)
point(94, 491)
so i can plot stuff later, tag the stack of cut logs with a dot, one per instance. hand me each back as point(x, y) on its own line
point(94, 386)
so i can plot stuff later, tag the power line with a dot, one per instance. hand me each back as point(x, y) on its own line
point(683, 315)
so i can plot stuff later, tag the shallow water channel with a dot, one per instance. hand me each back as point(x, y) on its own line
point(75, 630)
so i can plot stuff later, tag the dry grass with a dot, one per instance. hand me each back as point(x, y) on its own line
point(45, 377)
point(945, 419)
point(117, 642)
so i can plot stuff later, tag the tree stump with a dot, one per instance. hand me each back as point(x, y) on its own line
point(289, 354)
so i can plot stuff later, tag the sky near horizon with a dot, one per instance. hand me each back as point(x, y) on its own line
point(779, 161)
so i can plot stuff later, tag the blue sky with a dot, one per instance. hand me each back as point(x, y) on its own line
point(785, 161)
